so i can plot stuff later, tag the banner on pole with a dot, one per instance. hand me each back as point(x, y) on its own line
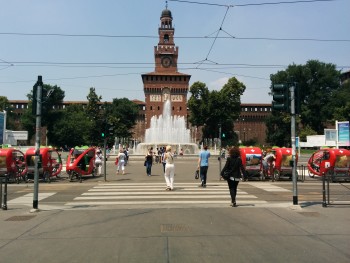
point(343, 133)
point(2, 127)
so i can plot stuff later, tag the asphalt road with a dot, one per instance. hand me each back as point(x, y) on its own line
point(131, 218)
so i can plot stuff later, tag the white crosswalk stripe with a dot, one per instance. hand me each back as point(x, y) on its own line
point(28, 198)
point(154, 195)
point(269, 187)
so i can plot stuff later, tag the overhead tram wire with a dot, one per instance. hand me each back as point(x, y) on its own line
point(7, 64)
point(79, 77)
point(253, 4)
point(217, 34)
point(178, 37)
point(234, 74)
point(227, 9)
point(122, 64)
point(98, 64)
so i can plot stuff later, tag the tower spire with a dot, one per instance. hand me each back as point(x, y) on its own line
point(166, 4)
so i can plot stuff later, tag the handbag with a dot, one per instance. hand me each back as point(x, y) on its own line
point(226, 174)
point(145, 163)
point(196, 174)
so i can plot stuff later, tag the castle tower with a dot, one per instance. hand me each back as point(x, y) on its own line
point(165, 82)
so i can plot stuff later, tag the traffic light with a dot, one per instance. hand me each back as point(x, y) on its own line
point(102, 134)
point(280, 94)
point(223, 135)
point(110, 131)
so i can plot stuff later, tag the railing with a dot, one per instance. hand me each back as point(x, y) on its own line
point(326, 179)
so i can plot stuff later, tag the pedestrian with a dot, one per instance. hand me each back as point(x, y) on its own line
point(126, 153)
point(121, 161)
point(268, 164)
point(169, 169)
point(98, 162)
point(235, 166)
point(159, 154)
point(203, 164)
point(149, 161)
point(163, 159)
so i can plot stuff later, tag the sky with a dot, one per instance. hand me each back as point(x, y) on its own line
point(108, 44)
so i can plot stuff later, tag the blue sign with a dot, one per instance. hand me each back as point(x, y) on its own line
point(343, 133)
point(2, 127)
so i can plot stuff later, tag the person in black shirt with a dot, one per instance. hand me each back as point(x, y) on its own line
point(234, 164)
point(149, 161)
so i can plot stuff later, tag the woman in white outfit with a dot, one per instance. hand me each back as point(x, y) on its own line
point(121, 161)
point(169, 169)
point(98, 162)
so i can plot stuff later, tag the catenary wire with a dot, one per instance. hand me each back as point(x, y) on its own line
point(177, 37)
point(253, 4)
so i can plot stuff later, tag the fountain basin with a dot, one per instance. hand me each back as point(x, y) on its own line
point(187, 148)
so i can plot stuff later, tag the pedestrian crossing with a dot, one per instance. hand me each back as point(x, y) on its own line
point(27, 199)
point(270, 187)
point(154, 195)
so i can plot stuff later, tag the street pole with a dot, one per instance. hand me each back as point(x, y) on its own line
point(104, 158)
point(220, 152)
point(294, 170)
point(4, 141)
point(220, 136)
point(39, 86)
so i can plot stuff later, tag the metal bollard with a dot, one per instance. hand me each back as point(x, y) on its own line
point(324, 203)
point(1, 191)
point(302, 176)
point(4, 207)
point(328, 198)
point(219, 159)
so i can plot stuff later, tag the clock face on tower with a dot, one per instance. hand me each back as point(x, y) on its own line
point(166, 62)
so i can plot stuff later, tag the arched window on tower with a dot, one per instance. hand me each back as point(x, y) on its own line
point(166, 38)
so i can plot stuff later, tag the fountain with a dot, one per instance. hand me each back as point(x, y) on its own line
point(168, 130)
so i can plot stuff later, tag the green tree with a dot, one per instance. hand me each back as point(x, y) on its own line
point(305, 131)
point(12, 122)
point(121, 117)
point(198, 104)
point(95, 115)
point(72, 128)
point(341, 104)
point(52, 96)
point(278, 124)
point(316, 84)
point(4, 103)
point(211, 109)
